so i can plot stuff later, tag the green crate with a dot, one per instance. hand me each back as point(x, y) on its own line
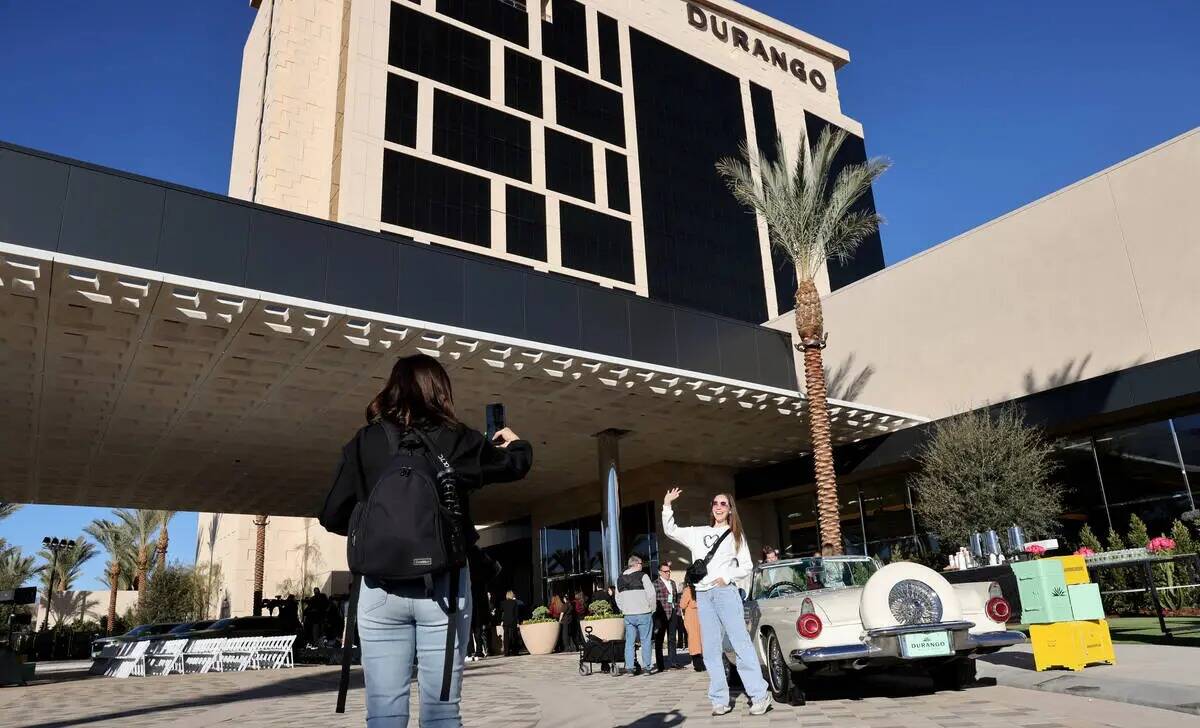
point(1085, 601)
point(1042, 585)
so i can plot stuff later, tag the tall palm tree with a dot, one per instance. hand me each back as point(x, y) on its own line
point(114, 539)
point(811, 217)
point(260, 554)
point(16, 568)
point(140, 526)
point(67, 568)
point(7, 509)
point(164, 518)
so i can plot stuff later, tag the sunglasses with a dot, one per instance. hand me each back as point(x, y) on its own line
point(721, 503)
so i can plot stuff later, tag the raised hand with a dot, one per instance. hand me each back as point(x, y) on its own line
point(671, 495)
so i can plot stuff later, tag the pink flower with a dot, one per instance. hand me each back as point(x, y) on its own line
point(1035, 549)
point(1160, 545)
point(1085, 551)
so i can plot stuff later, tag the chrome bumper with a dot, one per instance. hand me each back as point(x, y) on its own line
point(884, 642)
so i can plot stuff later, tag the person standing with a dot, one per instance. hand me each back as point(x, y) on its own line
point(399, 619)
point(510, 615)
point(636, 600)
point(666, 615)
point(691, 622)
point(722, 548)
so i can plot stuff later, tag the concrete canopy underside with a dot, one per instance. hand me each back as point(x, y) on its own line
point(130, 387)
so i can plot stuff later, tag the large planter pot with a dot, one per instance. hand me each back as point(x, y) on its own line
point(540, 638)
point(612, 628)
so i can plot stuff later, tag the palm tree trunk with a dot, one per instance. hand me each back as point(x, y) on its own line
point(260, 552)
point(163, 540)
point(810, 326)
point(143, 565)
point(114, 573)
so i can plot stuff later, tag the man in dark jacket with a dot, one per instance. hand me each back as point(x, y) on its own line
point(666, 615)
point(510, 616)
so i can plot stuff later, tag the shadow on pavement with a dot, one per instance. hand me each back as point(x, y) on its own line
point(656, 720)
point(299, 685)
point(1022, 660)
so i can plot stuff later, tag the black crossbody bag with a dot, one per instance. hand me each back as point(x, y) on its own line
point(699, 569)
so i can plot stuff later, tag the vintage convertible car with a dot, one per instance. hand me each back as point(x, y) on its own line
point(815, 616)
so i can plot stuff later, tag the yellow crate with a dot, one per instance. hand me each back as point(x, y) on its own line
point(1073, 645)
point(1074, 569)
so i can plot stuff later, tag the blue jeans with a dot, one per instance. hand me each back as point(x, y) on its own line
point(396, 620)
point(638, 626)
point(721, 615)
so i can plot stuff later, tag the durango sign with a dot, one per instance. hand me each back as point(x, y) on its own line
point(727, 32)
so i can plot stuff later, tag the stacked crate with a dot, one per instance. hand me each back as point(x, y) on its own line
point(1064, 613)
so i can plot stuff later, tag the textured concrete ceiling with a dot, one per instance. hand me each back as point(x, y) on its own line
point(125, 387)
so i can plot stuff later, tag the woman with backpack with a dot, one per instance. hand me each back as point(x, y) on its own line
point(401, 495)
point(720, 558)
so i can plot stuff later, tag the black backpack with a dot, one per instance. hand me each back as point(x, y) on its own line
point(409, 526)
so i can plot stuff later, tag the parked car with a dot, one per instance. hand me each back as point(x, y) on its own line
point(142, 631)
point(817, 616)
point(188, 628)
point(247, 627)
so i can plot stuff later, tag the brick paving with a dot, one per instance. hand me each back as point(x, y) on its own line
point(519, 693)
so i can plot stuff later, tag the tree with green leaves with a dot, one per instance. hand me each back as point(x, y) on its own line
point(61, 573)
point(113, 538)
point(140, 527)
point(164, 519)
point(987, 470)
point(1088, 539)
point(813, 218)
point(16, 570)
point(174, 593)
point(1138, 535)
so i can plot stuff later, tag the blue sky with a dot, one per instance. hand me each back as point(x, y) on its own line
point(983, 107)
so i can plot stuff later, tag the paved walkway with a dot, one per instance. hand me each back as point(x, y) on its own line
point(524, 692)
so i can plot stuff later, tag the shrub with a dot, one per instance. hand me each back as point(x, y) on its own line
point(600, 609)
point(540, 616)
point(987, 470)
point(1089, 540)
point(172, 594)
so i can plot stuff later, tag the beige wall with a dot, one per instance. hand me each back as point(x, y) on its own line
point(89, 606)
point(228, 540)
point(1096, 277)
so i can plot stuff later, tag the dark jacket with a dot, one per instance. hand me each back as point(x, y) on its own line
point(478, 463)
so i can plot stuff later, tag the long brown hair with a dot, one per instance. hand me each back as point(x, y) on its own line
point(735, 523)
point(418, 390)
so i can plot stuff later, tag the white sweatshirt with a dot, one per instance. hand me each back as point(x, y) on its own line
point(730, 562)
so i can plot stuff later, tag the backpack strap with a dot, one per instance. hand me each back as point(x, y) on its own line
point(348, 640)
point(452, 577)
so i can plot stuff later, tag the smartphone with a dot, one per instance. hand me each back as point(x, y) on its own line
point(495, 420)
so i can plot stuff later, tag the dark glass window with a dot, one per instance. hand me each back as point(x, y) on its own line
point(565, 39)
point(868, 257)
point(702, 247)
point(588, 107)
point(596, 243)
point(610, 49)
point(522, 82)
point(1142, 476)
point(762, 106)
point(481, 136)
point(569, 166)
point(494, 16)
point(400, 124)
point(425, 196)
point(526, 223)
point(429, 47)
point(617, 167)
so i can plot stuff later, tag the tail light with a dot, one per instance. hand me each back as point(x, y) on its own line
point(997, 607)
point(808, 624)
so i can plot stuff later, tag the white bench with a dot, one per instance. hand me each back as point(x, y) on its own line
point(237, 654)
point(274, 653)
point(101, 661)
point(163, 657)
point(202, 655)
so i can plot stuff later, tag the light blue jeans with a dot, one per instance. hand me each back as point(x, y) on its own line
point(638, 626)
point(396, 620)
point(721, 616)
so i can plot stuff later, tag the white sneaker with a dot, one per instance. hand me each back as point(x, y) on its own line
point(762, 706)
point(721, 709)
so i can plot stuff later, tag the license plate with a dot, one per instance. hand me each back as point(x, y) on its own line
point(925, 644)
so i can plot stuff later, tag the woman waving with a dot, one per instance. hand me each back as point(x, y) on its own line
point(720, 557)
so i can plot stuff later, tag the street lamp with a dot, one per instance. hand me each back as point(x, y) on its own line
point(54, 546)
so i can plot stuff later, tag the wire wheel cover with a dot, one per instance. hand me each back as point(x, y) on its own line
point(914, 602)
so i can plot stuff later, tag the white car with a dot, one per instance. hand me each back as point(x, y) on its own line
point(818, 616)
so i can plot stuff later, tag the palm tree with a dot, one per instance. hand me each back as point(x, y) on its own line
point(7, 509)
point(140, 526)
point(67, 567)
point(16, 569)
point(164, 518)
point(120, 554)
point(260, 554)
point(811, 217)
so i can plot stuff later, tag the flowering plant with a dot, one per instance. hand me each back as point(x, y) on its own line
point(1035, 549)
point(1084, 551)
point(1160, 545)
